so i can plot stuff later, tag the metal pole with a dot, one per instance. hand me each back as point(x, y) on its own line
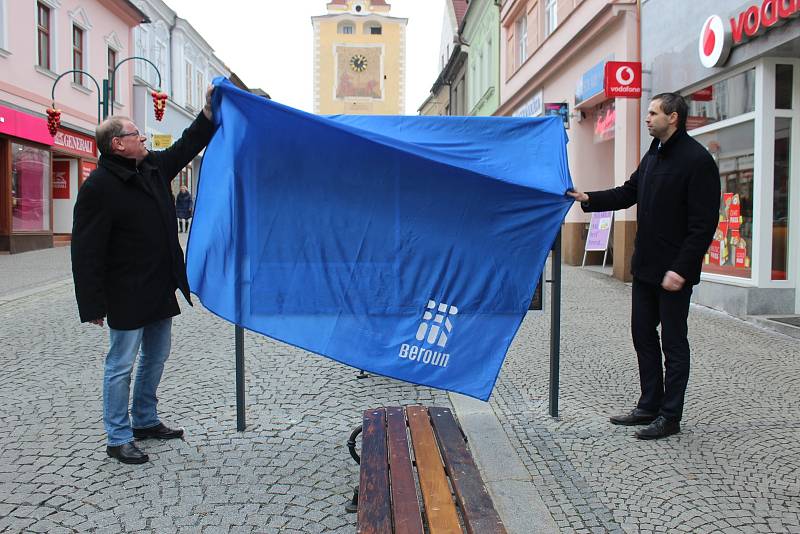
point(240, 421)
point(555, 325)
point(106, 97)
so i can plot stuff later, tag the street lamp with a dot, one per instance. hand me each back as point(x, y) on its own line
point(105, 97)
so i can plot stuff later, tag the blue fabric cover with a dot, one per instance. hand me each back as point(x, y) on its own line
point(407, 246)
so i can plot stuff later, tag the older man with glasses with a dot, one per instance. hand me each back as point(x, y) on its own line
point(127, 264)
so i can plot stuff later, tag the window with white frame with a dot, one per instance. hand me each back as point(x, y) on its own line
point(78, 53)
point(160, 59)
point(188, 78)
point(346, 28)
point(487, 65)
point(550, 16)
point(200, 88)
point(3, 28)
point(141, 39)
point(522, 39)
point(43, 35)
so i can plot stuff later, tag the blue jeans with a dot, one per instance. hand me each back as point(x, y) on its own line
point(154, 340)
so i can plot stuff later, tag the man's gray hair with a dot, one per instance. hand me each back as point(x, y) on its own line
point(107, 130)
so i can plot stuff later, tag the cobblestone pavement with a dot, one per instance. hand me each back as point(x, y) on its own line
point(289, 472)
point(735, 468)
point(34, 269)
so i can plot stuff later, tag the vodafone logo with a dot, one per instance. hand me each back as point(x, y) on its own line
point(714, 45)
point(625, 75)
point(717, 38)
point(622, 79)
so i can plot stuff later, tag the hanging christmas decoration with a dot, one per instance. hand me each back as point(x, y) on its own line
point(159, 103)
point(53, 119)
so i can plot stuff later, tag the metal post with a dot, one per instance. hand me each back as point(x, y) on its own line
point(106, 97)
point(555, 325)
point(240, 415)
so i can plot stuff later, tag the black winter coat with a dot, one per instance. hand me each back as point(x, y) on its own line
point(126, 259)
point(677, 192)
point(184, 205)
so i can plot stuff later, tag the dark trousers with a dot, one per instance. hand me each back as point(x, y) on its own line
point(663, 388)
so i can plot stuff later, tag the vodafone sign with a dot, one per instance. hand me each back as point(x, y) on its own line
point(623, 79)
point(718, 38)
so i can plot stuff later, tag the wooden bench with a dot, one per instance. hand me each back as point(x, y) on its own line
point(417, 475)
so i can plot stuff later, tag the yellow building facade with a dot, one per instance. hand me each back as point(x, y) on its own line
point(359, 59)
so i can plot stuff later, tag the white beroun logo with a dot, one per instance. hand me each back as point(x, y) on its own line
point(435, 329)
point(436, 333)
point(714, 44)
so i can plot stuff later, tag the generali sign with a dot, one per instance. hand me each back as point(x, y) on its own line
point(76, 143)
point(718, 38)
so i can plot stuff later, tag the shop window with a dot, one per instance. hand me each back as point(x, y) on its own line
point(30, 189)
point(780, 196)
point(783, 86)
point(730, 252)
point(725, 99)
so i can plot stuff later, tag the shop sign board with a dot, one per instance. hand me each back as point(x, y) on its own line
point(86, 169)
point(558, 109)
point(531, 108)
point(623, 79)
point(161, 141)
point(61, 179)
point(599, 231)
point(75, 143)
point(717, 38)
point(18, 124)
point(590, 83)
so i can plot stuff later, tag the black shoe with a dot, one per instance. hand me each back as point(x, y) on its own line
point(636, 417)
point(160, 431)
point(660, 428)
point(127, 453)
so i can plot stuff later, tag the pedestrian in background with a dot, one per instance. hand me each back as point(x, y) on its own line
point(127, 264)
point(183, 208)
point(676, 189)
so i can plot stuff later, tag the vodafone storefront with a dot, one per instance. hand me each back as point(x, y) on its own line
point(738, 64)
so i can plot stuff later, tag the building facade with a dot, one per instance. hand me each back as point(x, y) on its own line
point(447, 96)
point(359, 59)
point(481, 32)
point(40, 173)
point(552, 62)
point(187, 65)
point(738, 64)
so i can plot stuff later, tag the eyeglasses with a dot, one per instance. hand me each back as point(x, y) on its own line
point(135, 132)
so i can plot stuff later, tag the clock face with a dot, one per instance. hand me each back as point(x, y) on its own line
point(358, 63)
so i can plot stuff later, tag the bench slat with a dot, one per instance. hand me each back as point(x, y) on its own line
point(439, 506)
point(477, 509)
point(374, 513)
point(407, 515)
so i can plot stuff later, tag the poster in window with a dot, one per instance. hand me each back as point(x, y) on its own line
point(61, 179)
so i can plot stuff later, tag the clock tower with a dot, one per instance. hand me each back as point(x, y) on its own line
point(359, 59)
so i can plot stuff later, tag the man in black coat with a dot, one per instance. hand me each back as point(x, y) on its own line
point(127, 264)
point(676, 189)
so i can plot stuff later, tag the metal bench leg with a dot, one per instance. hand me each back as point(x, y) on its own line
point(352, 506)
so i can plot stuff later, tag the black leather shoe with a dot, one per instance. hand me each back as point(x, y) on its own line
point(660, 428)
point(160, 431)
point(127, 453)
point(636, 417)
